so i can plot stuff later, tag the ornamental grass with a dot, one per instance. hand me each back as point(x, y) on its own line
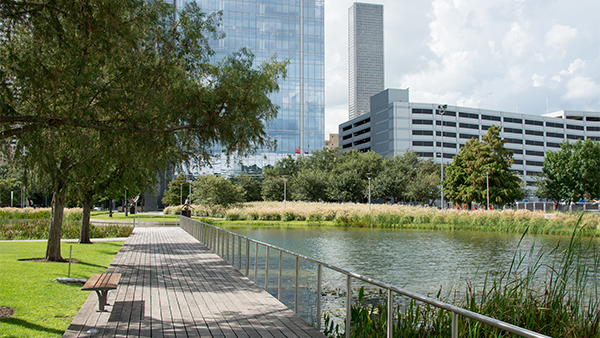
point(403, 217)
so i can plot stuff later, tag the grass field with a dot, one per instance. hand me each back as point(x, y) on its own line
point(44, 307)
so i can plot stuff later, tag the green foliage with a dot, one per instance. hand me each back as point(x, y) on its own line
point(571, 173)
point(29, 229)
point(465, 179)
point(177, 191)
point(250, 188)
point(288, 216)
point(215, 191)
point(310, 185)
point(273, 188)
point(127, 79)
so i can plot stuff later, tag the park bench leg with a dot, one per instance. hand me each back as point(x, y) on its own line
point(102, 295)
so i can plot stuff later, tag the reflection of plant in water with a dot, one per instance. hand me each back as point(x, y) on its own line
point(564, 302)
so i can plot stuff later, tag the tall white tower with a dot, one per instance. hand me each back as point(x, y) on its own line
point(365, 56)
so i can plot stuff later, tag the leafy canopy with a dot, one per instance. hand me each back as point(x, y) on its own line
point(465, 180)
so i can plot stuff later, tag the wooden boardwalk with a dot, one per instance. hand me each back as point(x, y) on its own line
point(173, 286)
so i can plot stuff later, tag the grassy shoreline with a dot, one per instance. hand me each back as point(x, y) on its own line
point(397, 217)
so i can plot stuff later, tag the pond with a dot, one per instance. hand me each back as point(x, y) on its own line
point(418, 261)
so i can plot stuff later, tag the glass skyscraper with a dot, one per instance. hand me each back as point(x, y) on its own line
point(293, 30)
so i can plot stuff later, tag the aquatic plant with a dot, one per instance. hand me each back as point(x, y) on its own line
point(560, 299)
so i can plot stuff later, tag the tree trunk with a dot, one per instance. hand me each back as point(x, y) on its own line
point(84, 233)
point(110, 205)
point(55, 230)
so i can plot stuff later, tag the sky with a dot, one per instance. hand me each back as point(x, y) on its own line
point(531, 55)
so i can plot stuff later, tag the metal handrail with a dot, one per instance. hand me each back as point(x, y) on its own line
point(210, 235)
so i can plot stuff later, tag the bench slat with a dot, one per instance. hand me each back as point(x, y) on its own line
point(102, 281)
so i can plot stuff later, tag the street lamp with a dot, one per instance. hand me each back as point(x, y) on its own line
point(442, 111)
point(284, 190)
point(369, 178)
point(487, 182)
point(180, 193)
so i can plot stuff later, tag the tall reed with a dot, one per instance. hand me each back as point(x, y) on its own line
point(404, 217)
point(559, 299)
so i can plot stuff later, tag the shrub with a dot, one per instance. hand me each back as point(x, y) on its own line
point(232, 216)
point(270, 216)
point(288, 216)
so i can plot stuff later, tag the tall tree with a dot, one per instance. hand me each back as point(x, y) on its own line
point(215, 191)
point(249, 186)
point(424, 185)
point(393, 181)
point(177, 191)
point(571, 173)
point(123, 67)
point(466, 176)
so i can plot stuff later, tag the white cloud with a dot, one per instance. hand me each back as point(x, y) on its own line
point(560, 35)
point(538, 80)
point(516, 41)
point(575, 65)
point(580, 87)
point(455, 51)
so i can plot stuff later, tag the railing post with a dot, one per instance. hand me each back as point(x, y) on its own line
point(454, 325)
point(280, 275)
point(319, 291)
point(256, 262)
point(227, 247)
point(267, 271)
point(223, 243)
point(232, 250)
point(240, 254)
point(217, 238)
point(247, 257)
point(348, 305)
point(296, 285)
point(390, 316)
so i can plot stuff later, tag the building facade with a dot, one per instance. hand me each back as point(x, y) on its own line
point(332, 140)
point(365, 56)
point(292, 30)
point(394, 125)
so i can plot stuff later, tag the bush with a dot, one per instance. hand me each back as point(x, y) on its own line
point(232, 216)
point(288, 216)
point(270, 216)
point(38, 229)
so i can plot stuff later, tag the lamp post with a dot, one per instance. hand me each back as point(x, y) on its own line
point(487, 182)
point(369, 178)
point(180, 193)
point(442, 111)
point(284, 191)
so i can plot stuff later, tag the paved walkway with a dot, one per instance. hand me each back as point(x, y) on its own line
point(173, 286)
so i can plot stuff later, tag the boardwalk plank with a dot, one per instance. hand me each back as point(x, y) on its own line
point(173, 286)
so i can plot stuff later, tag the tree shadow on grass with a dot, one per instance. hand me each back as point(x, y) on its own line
point(28, 325)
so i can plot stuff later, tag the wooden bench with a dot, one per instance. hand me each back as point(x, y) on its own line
point(102, 283)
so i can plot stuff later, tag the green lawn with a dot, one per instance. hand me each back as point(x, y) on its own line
point(120, 216)
point(44, 307)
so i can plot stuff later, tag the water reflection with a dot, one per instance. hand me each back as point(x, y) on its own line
point(419, 261)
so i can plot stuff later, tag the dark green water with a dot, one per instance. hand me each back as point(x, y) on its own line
point(418, 261)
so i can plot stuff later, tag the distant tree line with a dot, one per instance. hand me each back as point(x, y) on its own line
point(327, 175)
point(332, 175)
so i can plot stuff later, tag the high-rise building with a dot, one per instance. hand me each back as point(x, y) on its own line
point(365, 56)
point(293, 30)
